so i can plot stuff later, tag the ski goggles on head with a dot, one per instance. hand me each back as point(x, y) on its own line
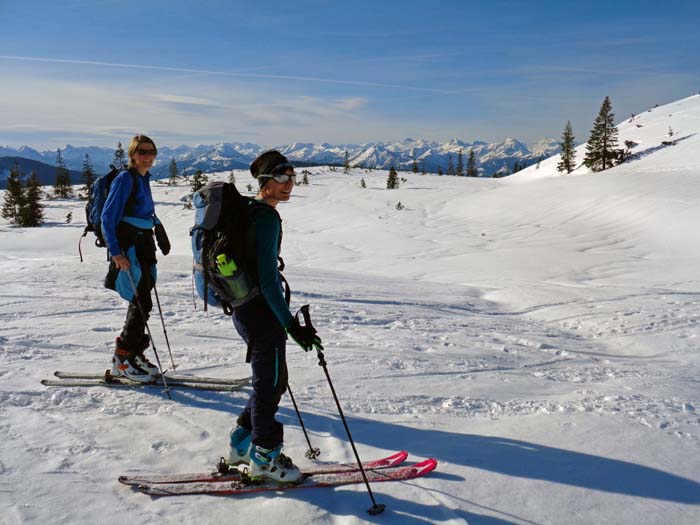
point(282, 179)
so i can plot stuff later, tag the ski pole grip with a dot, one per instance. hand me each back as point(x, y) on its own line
point(304, 311)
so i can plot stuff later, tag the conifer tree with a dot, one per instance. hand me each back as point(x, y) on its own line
point(119, 160)
point(601, 149)
point(450, 165)
point(346, 164)
point(198, 181)
point(172, 172)
point(440, 171)
point(568, 154)
point(460, 164)
point(88, 175)
point(363, 184)
point(232, 177)
point(471, 165)
point(62, 187)
point(14, 197)
point(414, 168)
point(305, 178)
point(32, 213)
point(392, 181)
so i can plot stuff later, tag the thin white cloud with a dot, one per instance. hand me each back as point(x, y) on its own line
point(360, 83)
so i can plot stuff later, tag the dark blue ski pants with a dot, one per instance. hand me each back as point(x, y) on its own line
point(266, 341)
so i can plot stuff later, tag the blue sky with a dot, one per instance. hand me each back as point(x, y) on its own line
point(97, 71)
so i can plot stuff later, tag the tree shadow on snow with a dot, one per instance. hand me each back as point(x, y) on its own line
point(516, 458)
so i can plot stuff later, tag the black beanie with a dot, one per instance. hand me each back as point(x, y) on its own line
point(265, 163)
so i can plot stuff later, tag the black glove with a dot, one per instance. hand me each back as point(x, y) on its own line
point(305, 336)
point(162, 238)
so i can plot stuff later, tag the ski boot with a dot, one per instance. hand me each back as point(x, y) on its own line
point(124, 365)
point(239, 446)
point(142, 361)
point(270, 464)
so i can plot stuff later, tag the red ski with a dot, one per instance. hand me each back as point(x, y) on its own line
point(334, 479)
point(232, 474)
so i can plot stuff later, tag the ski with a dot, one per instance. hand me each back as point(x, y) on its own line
point(228, 473)
point(245, 486)
point(126, 383)
point(175, 377)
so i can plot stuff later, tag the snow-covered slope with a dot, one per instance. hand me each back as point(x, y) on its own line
point(670, 132)
point(537, 335)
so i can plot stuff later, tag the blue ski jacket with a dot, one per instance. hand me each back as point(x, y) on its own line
point(142, 213)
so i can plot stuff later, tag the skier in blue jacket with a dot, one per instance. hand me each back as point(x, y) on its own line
point(128, 219)
point(264, 323)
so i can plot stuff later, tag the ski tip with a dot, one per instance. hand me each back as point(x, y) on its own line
point(425, 466)
point(43, 382)
point(401, 455)
point(124, 480)
point(148, 489)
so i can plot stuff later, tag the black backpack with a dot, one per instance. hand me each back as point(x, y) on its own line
point(223, 247)
point(96, 202)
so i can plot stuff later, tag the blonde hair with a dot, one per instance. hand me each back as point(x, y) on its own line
point(135, 143)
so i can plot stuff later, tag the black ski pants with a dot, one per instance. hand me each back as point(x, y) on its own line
point(266, 341)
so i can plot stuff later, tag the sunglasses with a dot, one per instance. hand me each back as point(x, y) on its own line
point(282, 179)
point(142, 151)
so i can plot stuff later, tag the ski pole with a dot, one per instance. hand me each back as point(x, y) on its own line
point(150, 336)
point(312, 453)
point(162, 322)
point(376, 508)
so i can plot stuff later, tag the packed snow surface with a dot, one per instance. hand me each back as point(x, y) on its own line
point(537, 335)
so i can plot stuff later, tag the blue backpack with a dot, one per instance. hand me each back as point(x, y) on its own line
point(223, 265)
point(96, 202)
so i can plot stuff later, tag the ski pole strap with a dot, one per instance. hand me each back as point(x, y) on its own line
point(288, 292)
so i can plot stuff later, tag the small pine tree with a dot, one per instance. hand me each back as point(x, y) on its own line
point(362, 183)
point(450, 165)
point(62, 187)
point(414, 168)
point(119, 160)
point(249, 187)
point(568, 154)
point(440, 171)
point(601, 149)
point(305, 178)
point(88, 175)
point(69, 217)
point(232, 178)
point(346, 164)
point(460, 164)
point(14, 197)
point(471, 165)
point(198, 181)
point(670, 131)
point(399, 206)
point(172, 172)
point(392, 181)
point(32, 213)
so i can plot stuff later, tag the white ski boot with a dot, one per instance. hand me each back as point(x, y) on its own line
point(271, 464)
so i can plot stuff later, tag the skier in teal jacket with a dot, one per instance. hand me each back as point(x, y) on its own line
point(264, 323)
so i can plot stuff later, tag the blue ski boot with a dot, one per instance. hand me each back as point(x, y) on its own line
point(239, 449)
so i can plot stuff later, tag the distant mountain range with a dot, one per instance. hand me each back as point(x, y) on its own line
point(430, 156)
point(45, 172)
